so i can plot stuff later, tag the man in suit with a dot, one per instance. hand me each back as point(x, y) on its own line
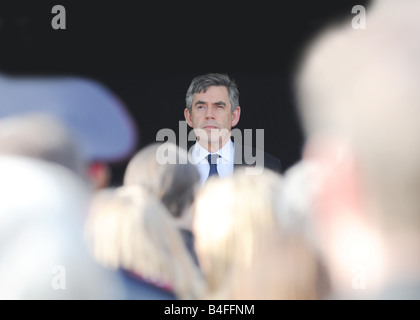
point(212, 110)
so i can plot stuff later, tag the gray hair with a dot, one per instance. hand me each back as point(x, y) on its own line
point(203, 82)
point(173, 183)
point(41, 136)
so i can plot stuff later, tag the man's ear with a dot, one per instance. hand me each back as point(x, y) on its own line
point(236, 114)
point(338, 177)
point(99, 174)
point(341, 215)
point(188, 117)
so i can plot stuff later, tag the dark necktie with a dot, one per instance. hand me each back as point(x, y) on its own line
point(212, 159)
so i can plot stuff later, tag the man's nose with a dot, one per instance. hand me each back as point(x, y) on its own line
point(209, 113)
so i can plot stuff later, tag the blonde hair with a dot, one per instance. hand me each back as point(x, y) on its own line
point(129, 228)
point(285, 270)
point(244, 249)
point(234, 220)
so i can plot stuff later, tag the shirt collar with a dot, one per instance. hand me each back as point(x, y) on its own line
point(227, 152)
point(199, 154)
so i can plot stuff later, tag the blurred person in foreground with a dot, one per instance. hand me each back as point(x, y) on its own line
point(164, 170)
point(49, 137)
point(42, 249)
point(358, 97)
point(92, 116)
point(129, 230)
point(245, 250)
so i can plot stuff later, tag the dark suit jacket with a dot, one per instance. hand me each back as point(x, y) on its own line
point(247, 156)
point(137, 288)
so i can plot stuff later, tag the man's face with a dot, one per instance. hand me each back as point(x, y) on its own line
point(211, 117)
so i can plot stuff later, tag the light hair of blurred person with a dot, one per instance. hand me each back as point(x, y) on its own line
point(295, 215)
point(129, 229)
point(41, 136)
point(164, 170)
point(358, 97)
point(42, 249)
point(243, 250)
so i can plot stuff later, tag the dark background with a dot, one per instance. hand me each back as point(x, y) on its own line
point(148, 52)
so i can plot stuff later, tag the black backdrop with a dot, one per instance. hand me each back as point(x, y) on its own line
point(148, 52)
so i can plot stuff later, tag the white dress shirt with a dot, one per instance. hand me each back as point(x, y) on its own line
point(224, 163)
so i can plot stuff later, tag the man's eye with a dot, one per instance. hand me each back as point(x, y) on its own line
point(200, 107)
